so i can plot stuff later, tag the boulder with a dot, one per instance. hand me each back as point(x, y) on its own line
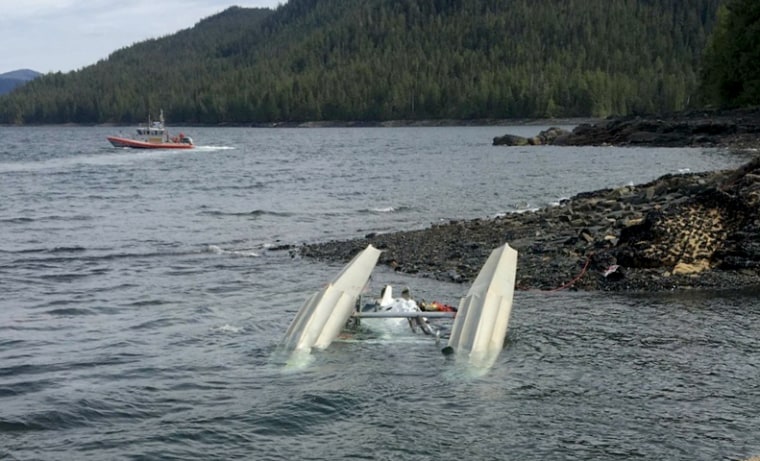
point(548, 136)
point(510, 140)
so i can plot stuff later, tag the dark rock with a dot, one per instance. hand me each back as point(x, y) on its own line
point(510, 140)
point(735, 128)
point(281, 247)
point(548, 136)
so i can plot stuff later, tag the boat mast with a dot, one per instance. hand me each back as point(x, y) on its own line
point(161, 121)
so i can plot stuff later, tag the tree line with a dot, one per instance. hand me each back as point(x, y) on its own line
point(396, 59)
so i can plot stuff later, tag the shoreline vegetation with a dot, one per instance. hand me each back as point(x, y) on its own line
point(430, 123)
point(358, 123)
point(685, 231)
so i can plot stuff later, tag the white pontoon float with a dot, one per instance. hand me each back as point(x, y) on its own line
point(480, 323)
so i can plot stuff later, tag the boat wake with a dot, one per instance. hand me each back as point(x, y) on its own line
point(213, 148)
point(62, 164)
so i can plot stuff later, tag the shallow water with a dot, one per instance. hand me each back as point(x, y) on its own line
point(142, 308)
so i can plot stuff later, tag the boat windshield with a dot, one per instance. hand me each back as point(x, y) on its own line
point(150, 131)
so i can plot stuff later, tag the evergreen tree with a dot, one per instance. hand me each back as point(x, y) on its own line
point(731, 67)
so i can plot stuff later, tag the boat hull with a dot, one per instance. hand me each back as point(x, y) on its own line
point(117, 141)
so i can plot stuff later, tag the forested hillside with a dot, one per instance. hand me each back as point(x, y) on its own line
point(731, 67)
point(393, 59)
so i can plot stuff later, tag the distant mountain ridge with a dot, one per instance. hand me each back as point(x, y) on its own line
point(10, 80)
point(379, 60)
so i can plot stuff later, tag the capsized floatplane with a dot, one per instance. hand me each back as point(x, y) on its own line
point(480, 322)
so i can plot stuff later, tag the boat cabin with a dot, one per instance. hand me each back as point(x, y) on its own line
point(151, 131)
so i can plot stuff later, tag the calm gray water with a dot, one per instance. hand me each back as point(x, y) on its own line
point(140, 307)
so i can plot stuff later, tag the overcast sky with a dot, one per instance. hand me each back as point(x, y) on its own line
point(66, 35)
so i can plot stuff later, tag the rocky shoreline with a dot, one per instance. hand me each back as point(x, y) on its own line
point(739, 128)
point(678, 232)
